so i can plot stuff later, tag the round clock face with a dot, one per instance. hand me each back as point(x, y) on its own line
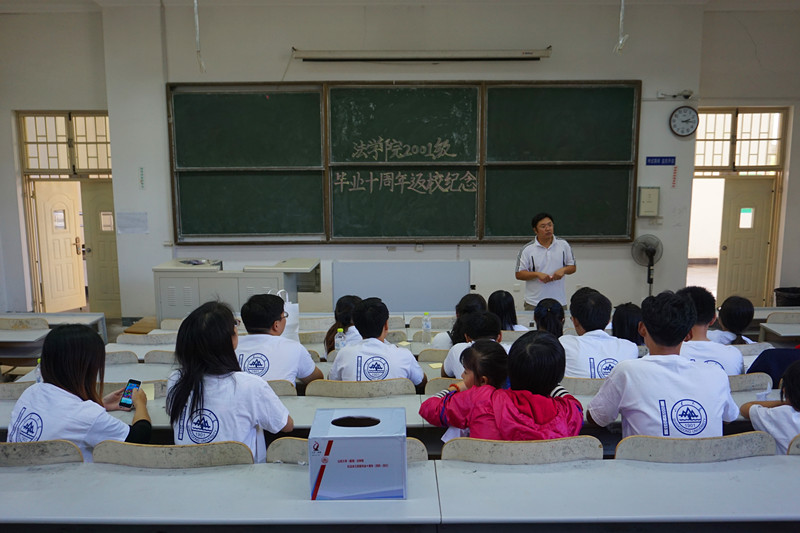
point(683, 121)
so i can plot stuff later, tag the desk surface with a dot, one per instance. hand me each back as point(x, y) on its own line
point(96, 320)
point(22, 335)
point(782, 330)
point(619, 491)
point(138, 349)
point(241, 494)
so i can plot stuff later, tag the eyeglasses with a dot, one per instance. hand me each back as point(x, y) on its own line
point(285, 314)
point(236, 324)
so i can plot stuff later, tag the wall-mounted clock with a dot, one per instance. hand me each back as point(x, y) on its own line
point(683, 121)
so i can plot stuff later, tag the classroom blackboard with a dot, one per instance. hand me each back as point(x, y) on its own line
point(402, 162)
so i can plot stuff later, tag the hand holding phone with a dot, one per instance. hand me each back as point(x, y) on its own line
point(127, 396)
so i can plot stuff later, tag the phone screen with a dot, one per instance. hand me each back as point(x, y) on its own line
point(127, 396)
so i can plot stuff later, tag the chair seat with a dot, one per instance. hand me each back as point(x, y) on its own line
point(170, 456)
point(705, 450)
point(578, 448)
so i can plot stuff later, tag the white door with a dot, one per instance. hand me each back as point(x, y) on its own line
point(744, 242)
point(100, 238)
point(59, 234)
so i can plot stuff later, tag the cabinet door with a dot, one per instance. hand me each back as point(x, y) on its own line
point(177, 296)
point(260, 285)
point(224, 289)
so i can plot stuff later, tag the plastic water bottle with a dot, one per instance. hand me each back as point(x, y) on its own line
point(38, 371)
point(426, 328)
point(338, 340)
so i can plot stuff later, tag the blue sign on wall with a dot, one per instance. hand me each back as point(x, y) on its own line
point(670, 161)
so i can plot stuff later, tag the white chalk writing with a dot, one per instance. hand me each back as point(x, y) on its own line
point(428, 182)
point(394, 150)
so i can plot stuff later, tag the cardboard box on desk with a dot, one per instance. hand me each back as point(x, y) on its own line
point(358, 454)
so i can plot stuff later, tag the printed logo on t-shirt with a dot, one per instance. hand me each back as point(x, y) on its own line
point(605, 367)
point(257, 364)
point(712, 362)
point(376, 368)
point(688, 417)
point(30, 428)
point(203, 426)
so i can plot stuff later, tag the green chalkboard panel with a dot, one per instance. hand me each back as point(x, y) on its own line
point(586, 202)
point(404, 202)
point(546, 123)
point(251, 203)
point(404, 124)
point(247, 129)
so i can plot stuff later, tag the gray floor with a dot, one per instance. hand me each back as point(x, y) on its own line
point(702, 276)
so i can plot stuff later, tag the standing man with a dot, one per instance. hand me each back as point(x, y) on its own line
point(543, 263)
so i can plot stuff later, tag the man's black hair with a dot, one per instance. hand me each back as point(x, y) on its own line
point(590, 308)
point(668, 317)
point(482, 325)
point(261, 311)
point(538, 217)
point(704, 303)
point(369, 317)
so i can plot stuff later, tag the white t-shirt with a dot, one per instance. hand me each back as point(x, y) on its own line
point(452, 363)
point(47, 412)
point(665, 396)
point(352, 336)
point(595, 353)
point(236, 406)
point(371, 360)
point(519, 327)
point(728, 358)
point(725, 337)
point(442, 341)
point(782, 422)
point(270, 357)
point(534, 257)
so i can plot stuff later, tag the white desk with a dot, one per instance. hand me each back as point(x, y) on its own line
point(97, 321)
point(756, 488)
point(268, 494)
point(21, 346)
point(122, 373)
point(139, 349)
point(783, 331)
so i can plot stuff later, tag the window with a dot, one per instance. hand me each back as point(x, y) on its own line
point(65, 145)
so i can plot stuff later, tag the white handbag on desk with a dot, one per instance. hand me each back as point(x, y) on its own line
point(292, 329)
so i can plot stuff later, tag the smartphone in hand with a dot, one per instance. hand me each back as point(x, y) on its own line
point(127, 396)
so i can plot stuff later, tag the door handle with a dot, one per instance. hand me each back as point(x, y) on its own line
point(78, 245)
point(724, 247)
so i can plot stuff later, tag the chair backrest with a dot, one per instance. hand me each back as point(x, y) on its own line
point(171, 324)
point(435, 385)
point(432, 355)
point(794, 446)
point(419, 336)
point(706, 450)
point(43, 452)
point(121, 358)
point(170, 456)
point(311, 337)
point(23, 323)
point(316, 323)
point(752, 349)
point(522, 452)
point(159, 387)
point(397, 322)
point(774, 362)
point(360, 389)
point(582, 386)
point(282, 387)
point(755, 381)
point(437, 322)
point(314, 356)
point(396, 335)
point(14, 389)
point(294, 450)
point(161, 357)
point(155, 339)
point(509, 336)
point(331, 356)
point(783, 317)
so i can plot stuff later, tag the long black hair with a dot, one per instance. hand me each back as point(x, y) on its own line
point(469, 303)
point(501, 303)
point(204, 347)
point(549, 316)
point(344, 319)
point(73, 359)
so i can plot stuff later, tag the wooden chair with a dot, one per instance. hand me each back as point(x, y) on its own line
point(509, 336)
point(435, 385)
point(121, 358)
point(171, 324)
point(705, 450)
point(158, 338)
point(331, 356)
point(437, 322)
point(294, 450)
point(419, 336)
point(43, 452)
point(312, 337)
point(582, 386)
point(794, 446)
point(530, 452)
point(160, 357)
point(14, 389)
point(159, 387)
point(314, 356)
point(283, 387)
point(360, 389)
point(315, 323)
point(396, 335)
point(752, 349)
point(745, 382)
point(397, 322)
point(783, 317)
point(432, 355)
point(223, 453)
point(23, 323)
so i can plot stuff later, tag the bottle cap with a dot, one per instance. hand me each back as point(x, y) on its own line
point(426, 313)
point(340, 330)
point(39, 360)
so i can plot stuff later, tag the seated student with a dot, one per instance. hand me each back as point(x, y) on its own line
point(625, 323)
point(372, 359)
point(263, 352)
point(664, 394)
point(700, 348)
point(344, 320)
point(779, 418)
point(209, 398)
point(735, 315)
point(535, 408)
point(501, 303)
point(549, 316)
point(67, 404)
point(593, 353)
point(469, 303)
point(481, 325)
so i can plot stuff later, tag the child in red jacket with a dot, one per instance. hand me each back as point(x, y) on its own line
point(535, 408)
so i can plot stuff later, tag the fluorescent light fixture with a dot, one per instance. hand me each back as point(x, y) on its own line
point(421, 55)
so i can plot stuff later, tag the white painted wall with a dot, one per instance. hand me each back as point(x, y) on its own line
point(129, 54)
